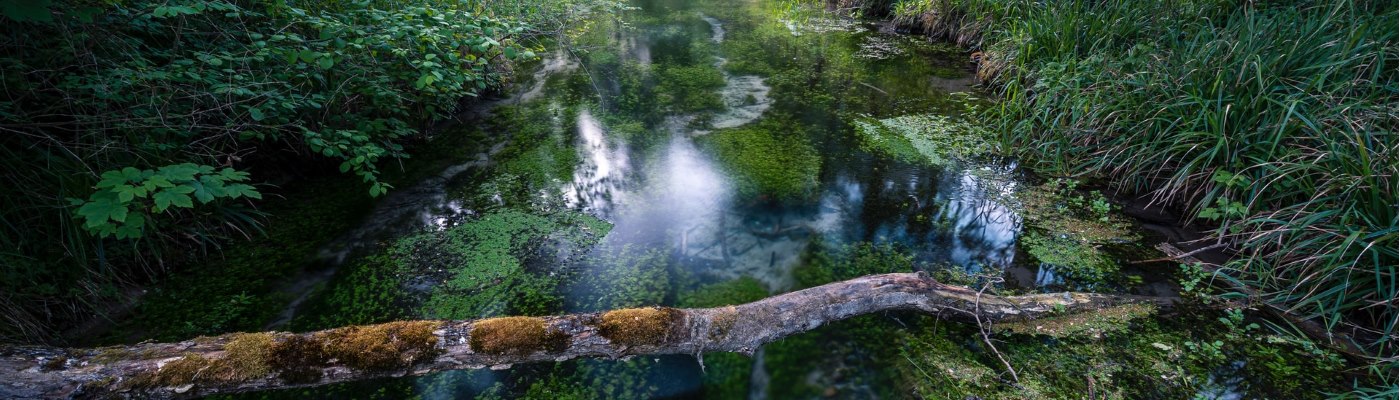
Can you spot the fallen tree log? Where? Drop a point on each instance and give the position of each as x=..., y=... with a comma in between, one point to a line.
x=244, y=362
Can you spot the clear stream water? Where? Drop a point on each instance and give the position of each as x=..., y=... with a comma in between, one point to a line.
x=673, y=195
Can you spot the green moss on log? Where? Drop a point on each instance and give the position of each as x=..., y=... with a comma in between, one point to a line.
x=382, y=347
x=298, y=359
x=641, y=326
x=515, y=335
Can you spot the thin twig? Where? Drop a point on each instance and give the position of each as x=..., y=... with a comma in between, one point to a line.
x=1181, y=256
x=982, y=328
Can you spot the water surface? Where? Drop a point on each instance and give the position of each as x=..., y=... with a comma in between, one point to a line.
x=643, y=106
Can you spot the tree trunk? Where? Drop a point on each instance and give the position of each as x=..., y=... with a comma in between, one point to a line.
x=273, y=360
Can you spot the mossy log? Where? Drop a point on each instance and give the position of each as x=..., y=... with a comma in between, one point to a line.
x=273, y=360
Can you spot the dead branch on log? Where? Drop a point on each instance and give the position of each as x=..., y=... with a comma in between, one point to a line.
x=245, y=362
x=1179, y=256
x=1339, y=341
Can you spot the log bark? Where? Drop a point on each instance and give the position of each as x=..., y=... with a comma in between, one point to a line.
x=275, y=360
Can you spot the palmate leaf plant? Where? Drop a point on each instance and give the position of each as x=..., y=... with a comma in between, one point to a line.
x=127, y=201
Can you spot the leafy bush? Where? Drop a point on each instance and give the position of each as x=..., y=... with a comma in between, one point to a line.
x=150, y=121
x=127, y=200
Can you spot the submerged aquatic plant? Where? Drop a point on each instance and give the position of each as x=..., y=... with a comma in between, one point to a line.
x=924, y=138
x=765, y=162
x=484, y=263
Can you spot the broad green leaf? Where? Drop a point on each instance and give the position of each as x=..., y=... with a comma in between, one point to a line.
x=111, y=179
x=202, y=192
x=179, y=172
x=99, y=211
x=1210, y=213
x=126, y=193
x=132, y=174
x=182, y=189
x=233, y=175
x=131, y=229
x=166, y=198
x=156, y=182
x=239, y=189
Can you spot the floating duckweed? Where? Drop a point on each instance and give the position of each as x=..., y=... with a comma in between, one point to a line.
x=640, y=326
x=1066, y=228
x=382, y=347
x=1084, y=262
x=515, y=335
x=1059, y=206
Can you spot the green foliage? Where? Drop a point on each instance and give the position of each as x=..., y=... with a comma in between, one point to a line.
x=237, y=92
x=27, y=10
x=1079, y=261
x=861, y=349
x=555, y=388
x=368, y=291
x=127, y=200
x=1067, y=228
x=765, y=163
x=738, y=291
x=1126, y=359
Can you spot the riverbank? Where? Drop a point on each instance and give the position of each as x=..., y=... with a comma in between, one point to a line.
x=1273, y=125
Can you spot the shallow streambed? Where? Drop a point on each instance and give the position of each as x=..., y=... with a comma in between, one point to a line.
x=708, y=153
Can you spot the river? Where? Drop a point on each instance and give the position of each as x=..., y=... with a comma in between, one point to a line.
x=720, y=144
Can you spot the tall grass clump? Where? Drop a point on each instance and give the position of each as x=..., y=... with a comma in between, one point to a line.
x=1273, y=122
